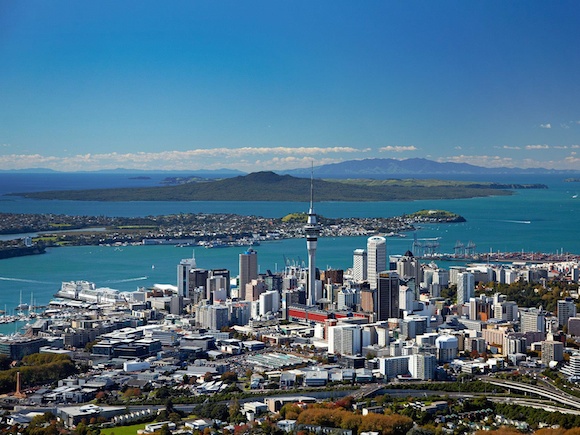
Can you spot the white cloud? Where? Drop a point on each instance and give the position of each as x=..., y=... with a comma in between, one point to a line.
x=548, y=125
x=458, y=148
x=486, y=161
x=508, y=147
x=537, y=147
x=573, y=160
x=398, y=149
x=252, y=158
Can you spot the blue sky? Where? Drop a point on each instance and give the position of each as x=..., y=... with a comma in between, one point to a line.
x=255, y=85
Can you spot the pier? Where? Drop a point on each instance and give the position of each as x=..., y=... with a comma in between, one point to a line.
x=506, y=257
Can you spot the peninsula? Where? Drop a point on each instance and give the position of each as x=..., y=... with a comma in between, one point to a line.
x=202, y=229
x=269, y=186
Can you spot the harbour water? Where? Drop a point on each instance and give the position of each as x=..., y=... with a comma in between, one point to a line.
x=530, y=220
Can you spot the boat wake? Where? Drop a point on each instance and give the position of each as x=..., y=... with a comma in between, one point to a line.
x=139, y=278
x=5, y=278
x=515, y=222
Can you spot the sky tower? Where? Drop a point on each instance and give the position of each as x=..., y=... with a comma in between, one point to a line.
x=311, y=229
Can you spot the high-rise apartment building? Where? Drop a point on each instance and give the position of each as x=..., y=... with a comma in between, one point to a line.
x=566, y=309
x=552, y=351
x=345, y=339
x=465, y=287
x=376, y=258
x=454, y=271
x=532, y=320
x=505, y=310
x=422, y=366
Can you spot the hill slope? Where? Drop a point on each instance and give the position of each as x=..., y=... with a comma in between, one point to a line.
x=268, y=186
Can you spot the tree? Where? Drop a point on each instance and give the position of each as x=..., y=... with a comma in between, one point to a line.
x=234, y=410
x=81, y=429
x=229, y=377
x=169, y=405
x=4, y=362
x=131, y=393
x=164, y=430
x=174, y=417
x=162, y=393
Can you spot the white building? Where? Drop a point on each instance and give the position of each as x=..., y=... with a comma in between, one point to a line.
x=345, y=339
x=212, y=316
x=394, y=366
x=422, y=366
x=447, y=348
x=505, y=310
x=532, y=320
x=269, y=302
x=359, y=265
x=376, y=258
x=183, y=269
x=572, y=369
x=347, y=298
x=465, y=287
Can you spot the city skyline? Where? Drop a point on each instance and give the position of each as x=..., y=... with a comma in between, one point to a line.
x=259, y=86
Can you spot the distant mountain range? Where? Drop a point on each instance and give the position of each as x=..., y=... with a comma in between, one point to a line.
x=392, y=168
x=366, y=168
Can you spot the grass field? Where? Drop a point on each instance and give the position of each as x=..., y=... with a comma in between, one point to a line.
x=123, y=430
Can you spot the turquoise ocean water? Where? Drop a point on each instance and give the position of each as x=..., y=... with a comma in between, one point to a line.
x=530, y=220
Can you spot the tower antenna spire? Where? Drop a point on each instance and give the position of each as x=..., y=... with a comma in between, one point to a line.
x=312, y=186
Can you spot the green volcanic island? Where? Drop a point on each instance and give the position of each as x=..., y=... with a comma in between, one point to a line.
x=268, y=186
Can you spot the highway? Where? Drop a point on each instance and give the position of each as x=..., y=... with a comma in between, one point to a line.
x=553, y=394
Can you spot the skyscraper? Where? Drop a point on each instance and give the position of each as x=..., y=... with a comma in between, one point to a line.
x=409, y=269
x=566, y=309
x=248, y=270
x=532, y=320
x=359, y=265
x=465, y=287
x=376, y=258
x=312, y=230
x=183, y=269
x=387, y=295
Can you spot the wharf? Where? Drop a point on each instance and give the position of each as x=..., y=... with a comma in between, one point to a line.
x=507, y=257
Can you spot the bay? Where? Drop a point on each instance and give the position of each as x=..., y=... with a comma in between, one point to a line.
x=530, y=220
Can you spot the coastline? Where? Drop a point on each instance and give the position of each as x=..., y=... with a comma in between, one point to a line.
x=21, y=251
x=204, y=229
